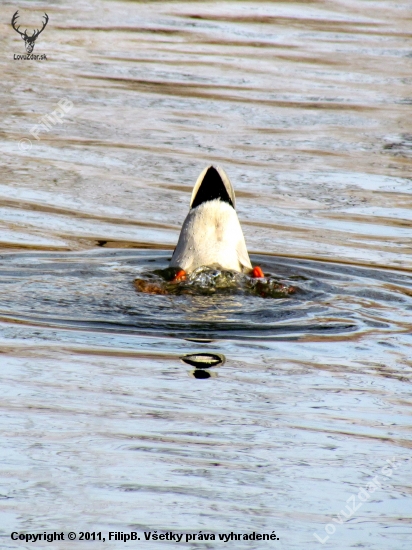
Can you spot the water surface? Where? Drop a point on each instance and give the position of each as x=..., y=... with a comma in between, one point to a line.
x=105, y=428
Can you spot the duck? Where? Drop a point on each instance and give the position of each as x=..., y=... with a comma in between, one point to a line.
x=211, y=235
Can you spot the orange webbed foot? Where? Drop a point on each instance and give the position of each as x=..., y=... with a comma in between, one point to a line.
x=257, y=273
x=180, y=276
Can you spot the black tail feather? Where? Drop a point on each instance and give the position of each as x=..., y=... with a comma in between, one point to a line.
x=211, y=188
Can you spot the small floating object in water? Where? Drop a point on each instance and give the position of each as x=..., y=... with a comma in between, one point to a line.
x=203, y=360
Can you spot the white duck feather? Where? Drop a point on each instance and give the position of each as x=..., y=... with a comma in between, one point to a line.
x=211, y=234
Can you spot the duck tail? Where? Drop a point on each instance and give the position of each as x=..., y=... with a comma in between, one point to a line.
x=213, y=184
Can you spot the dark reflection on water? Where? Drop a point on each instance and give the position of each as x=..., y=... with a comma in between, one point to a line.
x=201, y=374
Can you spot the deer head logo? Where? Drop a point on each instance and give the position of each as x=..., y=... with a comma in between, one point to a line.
x=28, y=40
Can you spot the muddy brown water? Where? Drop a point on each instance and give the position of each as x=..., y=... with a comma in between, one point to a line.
x=307, y=106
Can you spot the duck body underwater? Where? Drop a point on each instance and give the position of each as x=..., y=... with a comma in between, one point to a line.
x=211, y=235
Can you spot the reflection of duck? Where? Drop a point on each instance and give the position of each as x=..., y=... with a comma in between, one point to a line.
x=211, y=234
